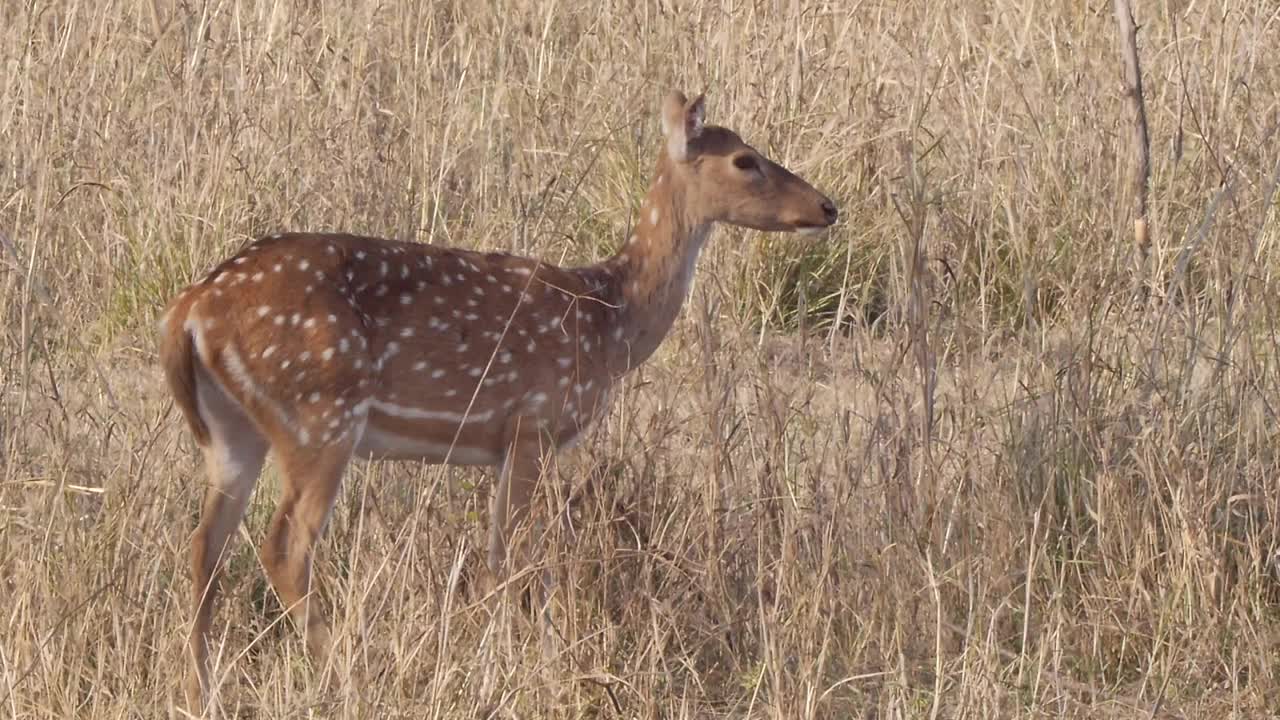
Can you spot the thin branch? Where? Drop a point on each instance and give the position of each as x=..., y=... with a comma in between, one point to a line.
x=1141, y=141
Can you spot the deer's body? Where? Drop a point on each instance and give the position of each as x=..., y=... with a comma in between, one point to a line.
x=324, y=347
x=411, y=351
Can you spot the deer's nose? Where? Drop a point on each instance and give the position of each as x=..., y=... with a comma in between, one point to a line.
x=829, y=209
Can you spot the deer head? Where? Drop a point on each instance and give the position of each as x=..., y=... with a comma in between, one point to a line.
x=726, y=180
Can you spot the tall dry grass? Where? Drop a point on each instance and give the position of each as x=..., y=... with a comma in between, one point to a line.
x=967, y=457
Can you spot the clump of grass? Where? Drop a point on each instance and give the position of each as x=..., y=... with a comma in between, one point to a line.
x=792, y=286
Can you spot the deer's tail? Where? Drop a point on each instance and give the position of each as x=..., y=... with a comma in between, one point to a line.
x=178, y=359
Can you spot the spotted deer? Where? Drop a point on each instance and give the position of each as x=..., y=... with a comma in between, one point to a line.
x=324, y=347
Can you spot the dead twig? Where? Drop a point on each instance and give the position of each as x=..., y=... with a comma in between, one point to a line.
x=1141, y=141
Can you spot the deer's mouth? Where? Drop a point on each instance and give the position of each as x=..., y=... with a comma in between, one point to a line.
x=811, y=230
x=828, y=213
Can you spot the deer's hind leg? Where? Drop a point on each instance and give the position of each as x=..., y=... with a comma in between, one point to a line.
x=233, y=461
x=311, y=477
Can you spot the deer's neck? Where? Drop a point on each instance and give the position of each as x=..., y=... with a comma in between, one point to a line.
x=654, y=269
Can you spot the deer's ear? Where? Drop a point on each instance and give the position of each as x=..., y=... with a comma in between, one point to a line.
x=682, y=123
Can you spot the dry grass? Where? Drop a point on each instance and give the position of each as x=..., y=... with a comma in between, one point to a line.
x=967, y=458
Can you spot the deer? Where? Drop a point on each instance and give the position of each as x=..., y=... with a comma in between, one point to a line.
x=321, y=348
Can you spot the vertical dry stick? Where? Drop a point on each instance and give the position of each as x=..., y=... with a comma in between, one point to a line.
x=1141, y=143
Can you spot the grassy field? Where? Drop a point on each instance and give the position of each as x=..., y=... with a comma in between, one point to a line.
x=969, y=455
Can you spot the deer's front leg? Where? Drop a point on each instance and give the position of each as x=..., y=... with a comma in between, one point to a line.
x=527, y=455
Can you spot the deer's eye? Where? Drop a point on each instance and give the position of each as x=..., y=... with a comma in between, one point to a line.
x=745, y=162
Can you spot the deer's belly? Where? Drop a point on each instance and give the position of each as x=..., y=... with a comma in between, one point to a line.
x=387, y=437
